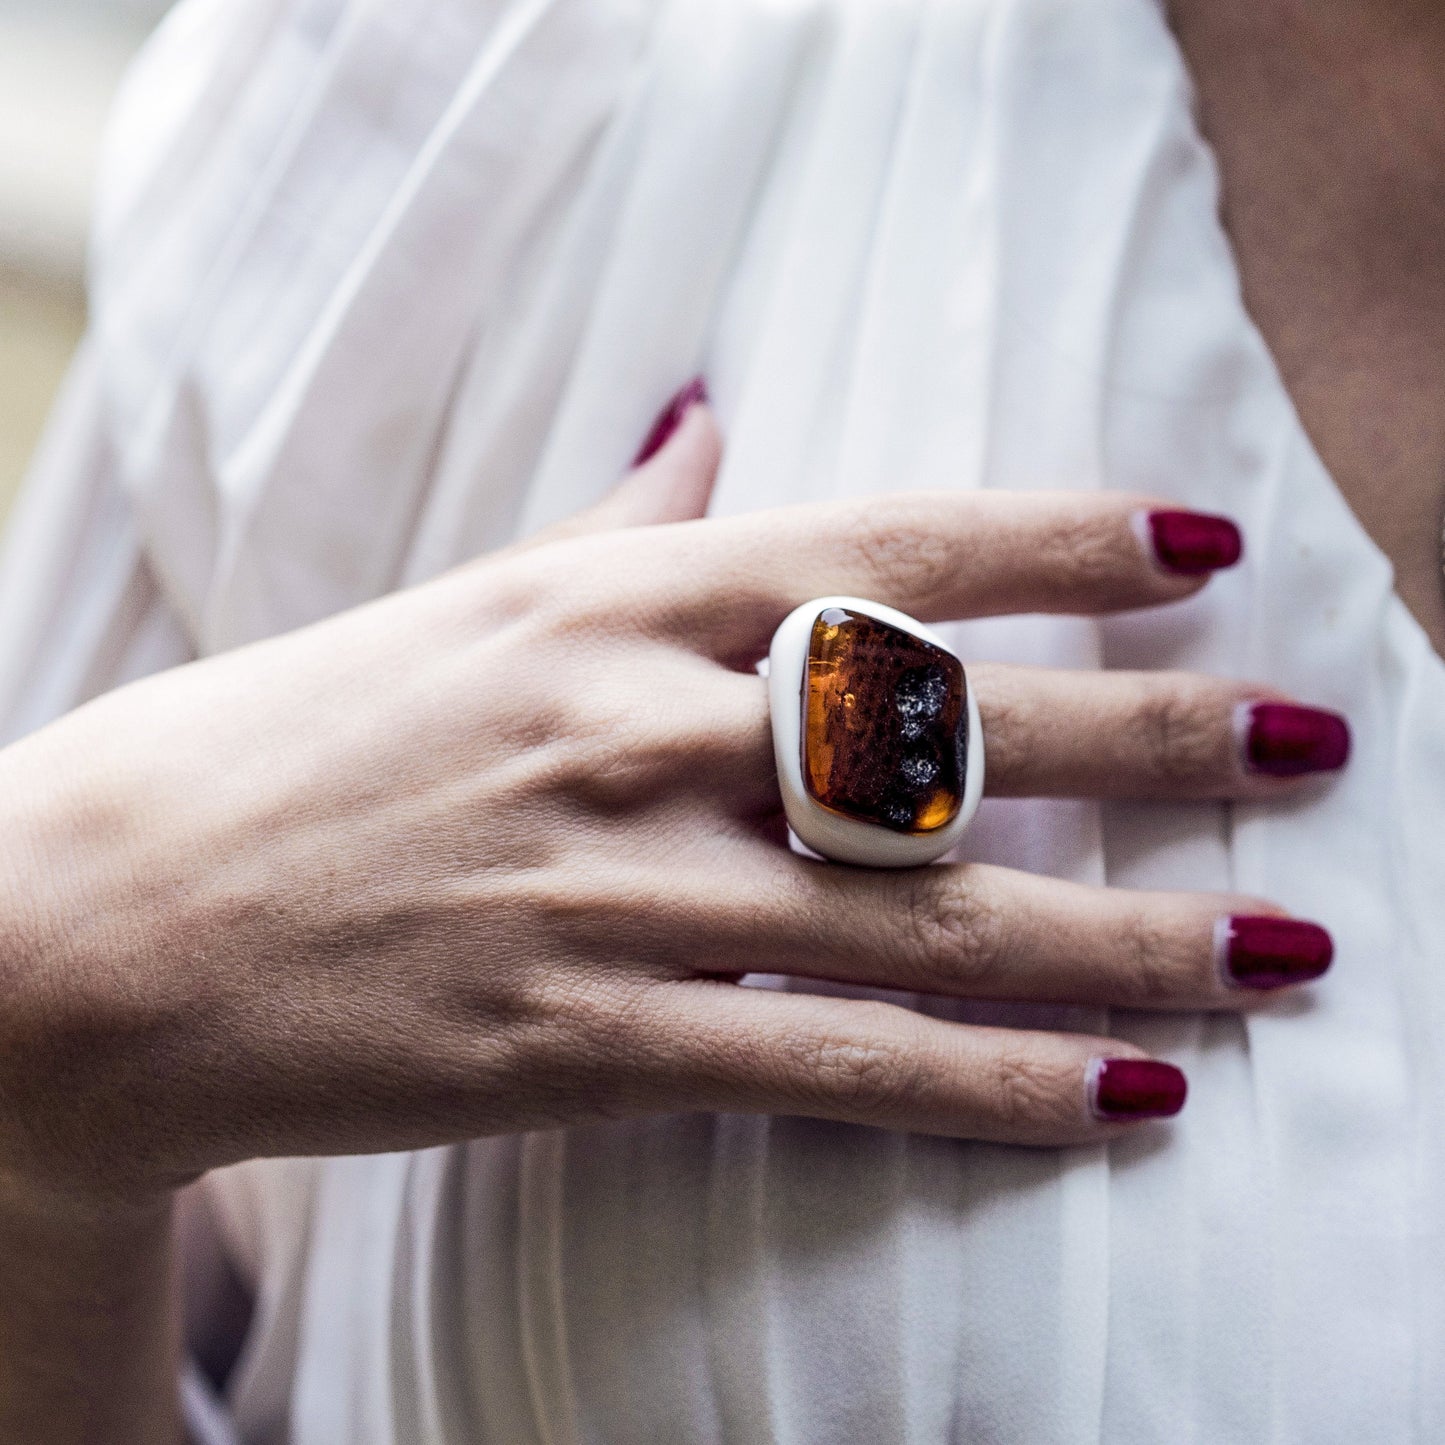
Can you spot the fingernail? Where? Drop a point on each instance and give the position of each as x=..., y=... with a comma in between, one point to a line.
x=1272, y=952
x=670, y=418
x=1284, y=740
x=1193, y=543
x=1122, y=1089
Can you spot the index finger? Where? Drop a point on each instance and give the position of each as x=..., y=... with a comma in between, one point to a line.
x=938, y=556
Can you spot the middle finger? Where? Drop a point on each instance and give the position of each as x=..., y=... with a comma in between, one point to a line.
x=1169, y=736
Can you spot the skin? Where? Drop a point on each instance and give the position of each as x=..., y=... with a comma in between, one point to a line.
x=1330, y=135
x=342, y=892
x=247, y=908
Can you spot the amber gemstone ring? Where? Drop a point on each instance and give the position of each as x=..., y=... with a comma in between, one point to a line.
x=876, y=734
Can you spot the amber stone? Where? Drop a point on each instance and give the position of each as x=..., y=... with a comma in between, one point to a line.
x=885, y=729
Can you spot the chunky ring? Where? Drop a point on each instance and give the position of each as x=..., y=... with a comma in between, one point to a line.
x=876, y=734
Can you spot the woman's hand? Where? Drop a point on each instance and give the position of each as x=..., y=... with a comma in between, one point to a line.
x=489, y=854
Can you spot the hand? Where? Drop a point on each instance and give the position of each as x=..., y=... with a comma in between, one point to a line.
x=489, y=854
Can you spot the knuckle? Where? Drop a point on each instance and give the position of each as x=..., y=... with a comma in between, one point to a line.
x=613, y=771
x=903, y=546
x=562, y=1052
x=957, y=933
x=1027, y=1097
x=1157, y=966
x=650, y=725
x=502, y=586
x=600, y=1014
x=866, y=1074
x=545, y=584
x=591, y=587
x=616, y=923
x=1177, y=735
x=1092, y=554
x=623, y=753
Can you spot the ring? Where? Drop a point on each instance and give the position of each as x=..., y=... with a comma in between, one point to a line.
x=876, y=733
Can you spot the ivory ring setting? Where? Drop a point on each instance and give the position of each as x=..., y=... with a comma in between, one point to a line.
x=876, y=734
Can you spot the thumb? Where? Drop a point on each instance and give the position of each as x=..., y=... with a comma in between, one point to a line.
x=671, y=480
x=675, y=470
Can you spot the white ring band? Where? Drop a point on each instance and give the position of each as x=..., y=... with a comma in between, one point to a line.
x=830, y=831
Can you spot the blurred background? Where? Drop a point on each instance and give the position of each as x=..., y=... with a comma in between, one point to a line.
x=60, y=61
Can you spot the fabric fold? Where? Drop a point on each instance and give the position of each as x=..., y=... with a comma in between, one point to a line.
x=378, y=286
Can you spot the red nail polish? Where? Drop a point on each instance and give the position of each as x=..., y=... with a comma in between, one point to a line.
x=1286, y=741
x=1124, y=1089
x=1193, y=543
x=693, y=394
x=1273, y=952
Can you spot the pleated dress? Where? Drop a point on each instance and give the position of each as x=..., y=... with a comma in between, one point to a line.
x=380, y=284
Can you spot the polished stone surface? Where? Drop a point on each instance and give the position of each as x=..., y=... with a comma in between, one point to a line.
x=885, y=729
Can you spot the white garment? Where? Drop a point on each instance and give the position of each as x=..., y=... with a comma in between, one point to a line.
x=378, y=284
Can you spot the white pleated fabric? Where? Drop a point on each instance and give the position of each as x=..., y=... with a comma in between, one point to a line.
x=382, y=283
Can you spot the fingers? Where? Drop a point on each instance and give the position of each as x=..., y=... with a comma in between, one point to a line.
x=980, y=932
x=753, y=1051
x=691, y=394
x=1170, y=735
x=670, y=481
x=935, y=555
x=676, y=470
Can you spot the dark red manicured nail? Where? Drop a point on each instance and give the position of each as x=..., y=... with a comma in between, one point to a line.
x=1122, y=1089
x=693, y=394
x=1286, y=741
x=1273, y=952
x=1194, y=542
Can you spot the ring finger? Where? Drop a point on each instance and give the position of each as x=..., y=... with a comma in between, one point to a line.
x=976, y=931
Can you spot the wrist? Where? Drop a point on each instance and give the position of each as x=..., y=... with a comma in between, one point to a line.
x=33, y=1205
x=89, y=1323
x=65, y=1158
